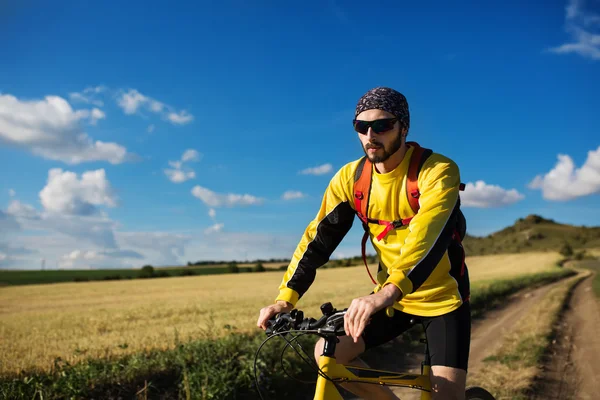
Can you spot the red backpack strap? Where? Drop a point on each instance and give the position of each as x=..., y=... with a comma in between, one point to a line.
x=362, y=188
x=419, y=155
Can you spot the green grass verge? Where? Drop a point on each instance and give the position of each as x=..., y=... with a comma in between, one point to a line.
x=208, y=368
x=488, y=295
x=594, y=266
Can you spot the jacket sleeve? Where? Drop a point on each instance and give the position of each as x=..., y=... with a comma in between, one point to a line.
x=431, y=229
x=321, y=237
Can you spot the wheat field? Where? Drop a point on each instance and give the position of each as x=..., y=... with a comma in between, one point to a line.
x=39, y=323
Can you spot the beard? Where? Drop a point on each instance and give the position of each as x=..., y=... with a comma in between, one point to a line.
x=384, y=152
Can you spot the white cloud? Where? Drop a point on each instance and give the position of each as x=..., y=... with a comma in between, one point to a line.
x=54, y=235
x=88, y=259
x=52, y=129
x=483, y=195
x=8, y=224
x=12, y=193
x=161, y=248
x=76, y=257
x=88, y=96
x=291, y=194
x=565, y=182
x=580, y=24
x=181, y=118
x=151, y=128
x=190, y=155
x=96, y=115
x=65, y=193
x=177, y=174
x=214, y=229
x=213, y=199
x=97, y=230
x=132, y=101
x=241, y=246
x=320, y=170
x=212, y=213
x=176, y=164
x=18, y=209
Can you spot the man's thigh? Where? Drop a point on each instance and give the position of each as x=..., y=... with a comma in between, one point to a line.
x=449, y=338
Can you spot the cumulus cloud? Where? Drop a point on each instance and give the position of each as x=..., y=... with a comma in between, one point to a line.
x=213, y=199
x=12, y=193
x=66, y=193
x=566, y=182
x=291, y=195
x=132, y=101
x=177, y=174
x=320, y=170
x=97, y=230
x=52, y=129
x=583, y=26
x=482, y=195
x=212, y=213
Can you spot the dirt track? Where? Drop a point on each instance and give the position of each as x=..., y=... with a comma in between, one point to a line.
x=572, y=370
x=486, y=336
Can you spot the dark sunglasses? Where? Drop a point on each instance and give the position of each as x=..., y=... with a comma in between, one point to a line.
x=378, y=126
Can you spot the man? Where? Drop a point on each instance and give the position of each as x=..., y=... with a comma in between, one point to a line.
x=419, y=274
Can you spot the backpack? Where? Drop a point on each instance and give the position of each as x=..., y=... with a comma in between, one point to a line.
x=362, y=188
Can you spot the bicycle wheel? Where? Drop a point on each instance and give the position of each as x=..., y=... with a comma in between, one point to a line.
x=478, y=393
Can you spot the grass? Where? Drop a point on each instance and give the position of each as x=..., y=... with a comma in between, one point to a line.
x=202, y=369
x=73, y=321
x=510, y=372
x=210, y=366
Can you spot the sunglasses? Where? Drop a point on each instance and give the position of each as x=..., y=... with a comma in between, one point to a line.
x=378, y=126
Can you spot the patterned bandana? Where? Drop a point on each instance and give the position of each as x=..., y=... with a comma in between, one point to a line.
x=385, y=99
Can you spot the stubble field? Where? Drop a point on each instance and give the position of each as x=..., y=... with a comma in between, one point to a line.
x=39, y=323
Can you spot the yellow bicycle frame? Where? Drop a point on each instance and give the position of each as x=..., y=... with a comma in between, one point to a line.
x=339, y=373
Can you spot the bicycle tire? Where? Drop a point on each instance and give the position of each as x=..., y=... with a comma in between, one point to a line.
x=478, y=393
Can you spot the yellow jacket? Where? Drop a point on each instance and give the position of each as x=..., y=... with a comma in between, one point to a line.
x=416, y=257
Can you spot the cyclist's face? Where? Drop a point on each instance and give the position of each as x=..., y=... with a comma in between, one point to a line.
x=380, y=146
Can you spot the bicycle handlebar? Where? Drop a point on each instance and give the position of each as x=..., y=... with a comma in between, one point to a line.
x=331, y=322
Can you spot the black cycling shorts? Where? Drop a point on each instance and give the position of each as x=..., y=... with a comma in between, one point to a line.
x=448, y=335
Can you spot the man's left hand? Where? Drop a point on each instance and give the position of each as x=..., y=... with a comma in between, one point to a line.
x=361, y=309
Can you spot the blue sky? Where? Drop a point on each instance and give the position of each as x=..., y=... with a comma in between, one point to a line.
x=162, y=133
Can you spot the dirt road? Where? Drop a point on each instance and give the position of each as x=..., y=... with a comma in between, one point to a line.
x=572, y=370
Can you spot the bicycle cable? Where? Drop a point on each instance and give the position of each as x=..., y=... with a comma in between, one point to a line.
x=310, y=361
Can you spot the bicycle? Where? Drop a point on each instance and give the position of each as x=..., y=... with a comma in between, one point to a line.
x=330, y=373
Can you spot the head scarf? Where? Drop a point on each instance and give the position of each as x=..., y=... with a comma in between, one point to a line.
x=386, y=99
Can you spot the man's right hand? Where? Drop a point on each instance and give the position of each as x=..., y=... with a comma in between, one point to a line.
x=267, y=312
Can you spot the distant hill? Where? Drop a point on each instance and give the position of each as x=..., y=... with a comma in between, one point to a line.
x=533, y=233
